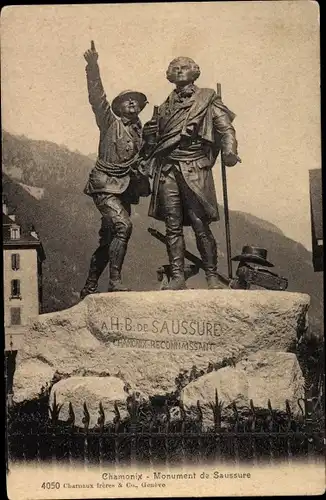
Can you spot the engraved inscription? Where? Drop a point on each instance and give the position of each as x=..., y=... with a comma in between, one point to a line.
x=187, y=345
x=173, y=327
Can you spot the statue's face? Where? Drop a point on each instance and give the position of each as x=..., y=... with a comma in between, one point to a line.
x=129, y=108
x=182, y=71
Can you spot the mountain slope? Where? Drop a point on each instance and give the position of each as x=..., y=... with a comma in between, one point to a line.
x=68, y=224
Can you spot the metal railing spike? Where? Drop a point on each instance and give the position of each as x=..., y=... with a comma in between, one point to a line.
x=117, y=417
x=71, y=413
x=86, y=417
x=101, y=418
x=55, y=410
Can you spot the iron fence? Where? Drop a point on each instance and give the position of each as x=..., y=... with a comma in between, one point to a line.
x=150, y=435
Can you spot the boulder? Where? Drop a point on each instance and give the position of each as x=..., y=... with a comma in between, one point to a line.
x=147, y=338
x=273, y=375
x=31, y=377
x=92, y=391
x=262, y=376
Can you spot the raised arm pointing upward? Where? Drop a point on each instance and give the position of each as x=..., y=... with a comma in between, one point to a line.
x=112, y=183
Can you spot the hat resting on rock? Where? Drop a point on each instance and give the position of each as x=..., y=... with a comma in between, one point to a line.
x=255, y=255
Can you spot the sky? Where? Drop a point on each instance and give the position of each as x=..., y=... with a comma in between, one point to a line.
x=265, y=55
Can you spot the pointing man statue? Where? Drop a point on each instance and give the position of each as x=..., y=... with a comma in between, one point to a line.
x=193, y=126
x=115, y=182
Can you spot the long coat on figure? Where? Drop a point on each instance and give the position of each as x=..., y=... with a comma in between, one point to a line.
x=192, y=132
x=193, y=126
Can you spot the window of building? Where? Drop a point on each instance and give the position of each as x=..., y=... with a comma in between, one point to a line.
x=15, y=288
x=15, y=233
x=15, y=261
x=15, y=316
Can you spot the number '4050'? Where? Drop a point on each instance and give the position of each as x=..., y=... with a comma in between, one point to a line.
x=53, y=485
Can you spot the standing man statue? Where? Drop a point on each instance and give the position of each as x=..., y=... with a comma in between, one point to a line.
x=116, y=181
x=193, y=126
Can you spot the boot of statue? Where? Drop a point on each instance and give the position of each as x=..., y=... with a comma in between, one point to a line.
x=207, y=248
x=118, y=250
x=98, y=263
x=176, y=250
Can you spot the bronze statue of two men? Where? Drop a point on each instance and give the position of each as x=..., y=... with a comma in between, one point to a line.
x=177, y=150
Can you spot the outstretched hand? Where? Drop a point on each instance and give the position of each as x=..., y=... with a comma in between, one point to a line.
x=91, y=55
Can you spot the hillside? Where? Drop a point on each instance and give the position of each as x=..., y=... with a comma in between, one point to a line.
x=68, y=224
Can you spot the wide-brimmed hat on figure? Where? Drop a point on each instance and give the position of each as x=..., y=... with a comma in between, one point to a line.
x=125, y=95
x=255, y=255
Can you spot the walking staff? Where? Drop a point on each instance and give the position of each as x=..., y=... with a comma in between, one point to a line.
x=225, y=200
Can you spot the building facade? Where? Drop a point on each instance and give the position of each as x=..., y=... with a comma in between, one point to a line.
x=23, y=255
x=316, y=212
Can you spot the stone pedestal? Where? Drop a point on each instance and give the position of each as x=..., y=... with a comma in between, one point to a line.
x=147, y=338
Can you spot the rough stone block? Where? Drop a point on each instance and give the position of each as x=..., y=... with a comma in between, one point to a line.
x=92, y=391
x=264, y=375
x=147, y=338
